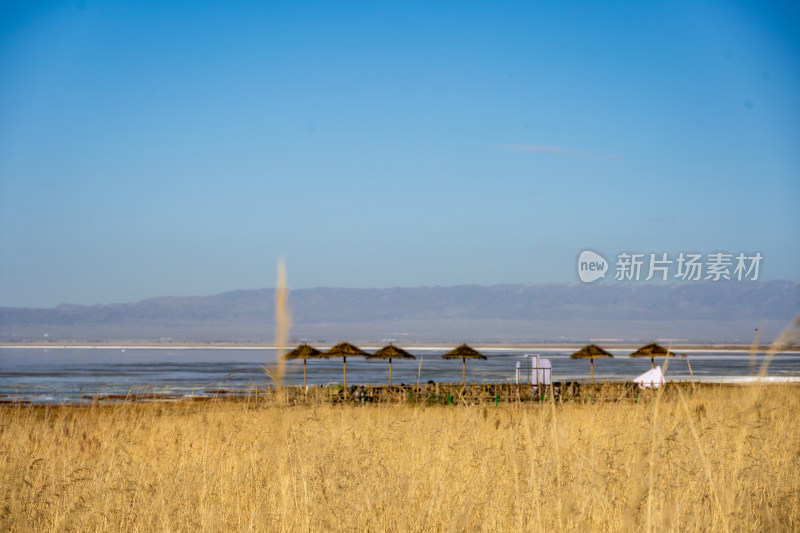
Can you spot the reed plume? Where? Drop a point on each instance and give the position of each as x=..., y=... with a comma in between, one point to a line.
x=283, y=321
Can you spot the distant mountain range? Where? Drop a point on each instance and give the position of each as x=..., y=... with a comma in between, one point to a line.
x=626, y=312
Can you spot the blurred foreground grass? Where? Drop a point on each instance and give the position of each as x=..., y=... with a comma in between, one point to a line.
x=717, y=459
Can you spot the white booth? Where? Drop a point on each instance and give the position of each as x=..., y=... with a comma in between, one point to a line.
x=534, y=370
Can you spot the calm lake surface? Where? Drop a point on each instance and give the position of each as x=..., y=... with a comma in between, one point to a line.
x=76, y=375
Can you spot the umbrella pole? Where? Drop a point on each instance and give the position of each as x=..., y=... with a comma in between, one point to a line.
x=591, y=366
x=652, y=364
x=463, y=372
x=344, y=363
x=304, y=372
x=390, y=371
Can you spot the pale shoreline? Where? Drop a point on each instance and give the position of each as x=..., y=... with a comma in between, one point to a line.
x=697, y=348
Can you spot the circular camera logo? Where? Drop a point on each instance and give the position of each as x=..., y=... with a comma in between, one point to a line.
x=591, y=266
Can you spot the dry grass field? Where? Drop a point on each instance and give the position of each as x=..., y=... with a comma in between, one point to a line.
x=714, y=459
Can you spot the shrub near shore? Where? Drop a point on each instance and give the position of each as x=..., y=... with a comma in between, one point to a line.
x=723, y=458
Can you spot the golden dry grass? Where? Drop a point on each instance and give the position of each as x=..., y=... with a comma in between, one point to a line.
x=723, y=458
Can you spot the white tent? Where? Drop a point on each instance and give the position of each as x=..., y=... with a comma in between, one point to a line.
x=652, y=378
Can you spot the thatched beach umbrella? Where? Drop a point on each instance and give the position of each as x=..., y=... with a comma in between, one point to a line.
x=390, y=351
x=344, y=350
x=463, y=352
x=652, y=351
x=304, y=352
x=590, y=352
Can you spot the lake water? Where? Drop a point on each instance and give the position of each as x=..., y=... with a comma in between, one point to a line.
x=74, y=376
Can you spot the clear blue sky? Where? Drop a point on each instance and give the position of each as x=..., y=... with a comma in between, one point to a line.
x=178, y=148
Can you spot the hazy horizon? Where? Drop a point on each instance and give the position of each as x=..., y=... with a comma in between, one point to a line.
x=672, y=283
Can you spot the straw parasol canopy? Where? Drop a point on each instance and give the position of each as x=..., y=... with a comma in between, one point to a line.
x=590, y=352
x=463, y=352
x=390, y=351
x=304, y=352
x=652, y=351
x=344, y=350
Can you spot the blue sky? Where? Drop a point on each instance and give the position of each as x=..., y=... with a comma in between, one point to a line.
x=155, y=148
